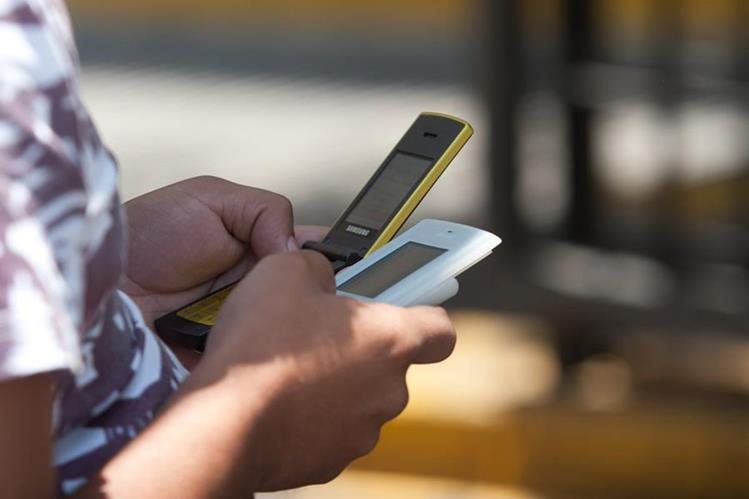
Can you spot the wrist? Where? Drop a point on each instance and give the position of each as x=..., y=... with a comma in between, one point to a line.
x=202, y=444
x=240, y=399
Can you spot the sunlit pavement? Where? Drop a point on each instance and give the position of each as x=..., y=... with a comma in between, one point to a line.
x=372, y=485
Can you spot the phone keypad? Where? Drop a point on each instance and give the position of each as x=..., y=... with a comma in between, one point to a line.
x=206, y=310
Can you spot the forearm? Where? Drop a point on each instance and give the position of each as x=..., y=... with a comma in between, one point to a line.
x=196, y=448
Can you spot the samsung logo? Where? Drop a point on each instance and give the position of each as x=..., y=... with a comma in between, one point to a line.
x=359, y=231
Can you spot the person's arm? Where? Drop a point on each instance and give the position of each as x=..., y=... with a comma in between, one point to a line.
x=191, y=450
x=25, y=443
x=295, y=384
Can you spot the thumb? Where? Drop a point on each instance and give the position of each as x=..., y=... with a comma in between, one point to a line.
x=432, y=334
x=264, y=219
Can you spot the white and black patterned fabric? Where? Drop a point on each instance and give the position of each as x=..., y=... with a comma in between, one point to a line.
x=61, y=253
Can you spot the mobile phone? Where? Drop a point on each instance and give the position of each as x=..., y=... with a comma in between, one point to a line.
x=396, y=188
x=371, y=220
x=418, y=267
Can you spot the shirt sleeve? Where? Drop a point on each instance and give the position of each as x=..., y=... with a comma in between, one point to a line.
x=36, y=331
x=39, y=312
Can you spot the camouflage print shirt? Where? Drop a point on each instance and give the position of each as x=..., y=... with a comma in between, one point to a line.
x=61, y=253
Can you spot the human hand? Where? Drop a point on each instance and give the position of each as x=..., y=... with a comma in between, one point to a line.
x=326, y=372
x=188, y=239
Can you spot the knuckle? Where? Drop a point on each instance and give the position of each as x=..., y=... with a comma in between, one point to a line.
x=284, y=263
x=392, y=316
x=398, y=335
x=400, y=351
x=305, y=267
x=442, y=326
x=278, y=202
x=449, y=335
x=349, y=306
x=442, y=316
x=380, y=327
x=204, y=180
x=399, y=400
x=327, y=474
x=318, y=265
x=314, y=259
x=298, y=264
x=452, y=340
x=367, y=442
x=443, y=313
x=404, y=397
x=274, y=260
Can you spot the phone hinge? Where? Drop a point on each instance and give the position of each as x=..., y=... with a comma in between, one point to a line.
x=338, y=257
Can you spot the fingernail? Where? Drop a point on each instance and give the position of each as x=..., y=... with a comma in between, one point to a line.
x=291, y=244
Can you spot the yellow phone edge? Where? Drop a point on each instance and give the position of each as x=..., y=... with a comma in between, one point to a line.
x=426, y=185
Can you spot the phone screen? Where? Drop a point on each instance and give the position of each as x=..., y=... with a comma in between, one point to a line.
x=392, y=268
x=388, y=191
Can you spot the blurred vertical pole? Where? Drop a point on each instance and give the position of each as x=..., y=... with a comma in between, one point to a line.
x=668, y=92
x=740, y=38
x=502, y=91
x=577, y=39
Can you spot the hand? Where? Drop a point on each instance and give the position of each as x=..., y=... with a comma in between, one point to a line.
x=329, y=371
x=193, y=237
x=295, y=383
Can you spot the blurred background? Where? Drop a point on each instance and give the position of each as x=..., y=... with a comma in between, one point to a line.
x=604, y=347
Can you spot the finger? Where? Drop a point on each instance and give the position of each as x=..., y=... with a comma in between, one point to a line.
x=271, y=220
x=306, y=233
x=321, y=269
x=394, y=400
x=261, y=218
x=431, y=333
